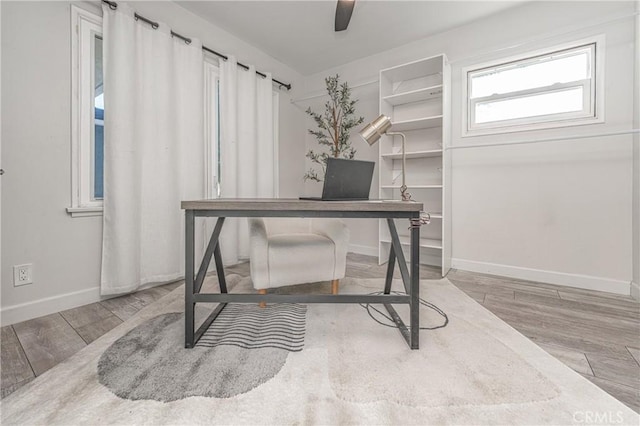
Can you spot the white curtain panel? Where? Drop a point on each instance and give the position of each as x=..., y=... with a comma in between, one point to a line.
x=247, y=147
x=153, y=151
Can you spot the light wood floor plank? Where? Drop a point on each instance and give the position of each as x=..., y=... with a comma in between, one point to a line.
x=623, y=370
x=635, y=353
x=574, y=359
x=498, y=287
x=84, y=315
x=150, y=295
x=172, y=286
x=241, y=269
x=555, y=336
x=579, y=323
x=11, y=389
x=124, y=307
x=632, y=319
x=47, y=341
x=91, y=332
x=488, y=289
x=612, y=301
x=14, y=366
x=495, y=280
x=499, y=298
x=602, y=295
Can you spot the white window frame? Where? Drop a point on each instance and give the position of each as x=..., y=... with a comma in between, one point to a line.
x=276, y=143
x=593, y=88
x=84, y=27
x=211, y=125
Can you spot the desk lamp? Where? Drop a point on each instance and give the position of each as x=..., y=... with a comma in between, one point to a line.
x=372, y=132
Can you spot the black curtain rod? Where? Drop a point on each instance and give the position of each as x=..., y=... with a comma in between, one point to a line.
x=113, y=6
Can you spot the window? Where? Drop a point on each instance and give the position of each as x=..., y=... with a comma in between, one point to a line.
x=97, y=156
x=87, y=127
x=551, y=89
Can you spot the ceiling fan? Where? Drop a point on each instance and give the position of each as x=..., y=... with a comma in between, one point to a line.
x=344, y=9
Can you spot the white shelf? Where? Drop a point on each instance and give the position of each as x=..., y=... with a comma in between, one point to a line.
x=414, y=95
x=418, y=123
x=415, y=154
x=412, y=186
x=424, y=242
x=435, y=215
x=414, y=69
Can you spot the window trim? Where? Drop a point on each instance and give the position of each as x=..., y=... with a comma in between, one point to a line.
x=83, y=22
x=595, y=114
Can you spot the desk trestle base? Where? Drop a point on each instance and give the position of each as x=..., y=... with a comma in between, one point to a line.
x=278, y=208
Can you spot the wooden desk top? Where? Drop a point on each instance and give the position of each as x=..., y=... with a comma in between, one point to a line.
x=275, y=204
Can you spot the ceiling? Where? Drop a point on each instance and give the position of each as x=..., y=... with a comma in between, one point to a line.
x=300, y=33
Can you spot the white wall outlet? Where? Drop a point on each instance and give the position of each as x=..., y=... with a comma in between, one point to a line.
x=22, y=274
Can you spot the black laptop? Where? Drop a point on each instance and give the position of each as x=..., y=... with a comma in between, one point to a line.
x=346, y=180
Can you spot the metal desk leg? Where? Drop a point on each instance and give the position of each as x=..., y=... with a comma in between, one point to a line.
x=206, y=259
x=189, y=304
x=415, y=287
x=222, y=281
x=390, y=267
x=397, y=253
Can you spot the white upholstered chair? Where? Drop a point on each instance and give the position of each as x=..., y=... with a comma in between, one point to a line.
x=287, y=251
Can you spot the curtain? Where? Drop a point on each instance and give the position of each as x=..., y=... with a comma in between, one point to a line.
x=153, y=151
x=247, y=148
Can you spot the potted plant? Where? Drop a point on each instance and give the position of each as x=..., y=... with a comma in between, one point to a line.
x=334, y=125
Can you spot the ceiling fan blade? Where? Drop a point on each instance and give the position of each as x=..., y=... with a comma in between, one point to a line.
x=344, y=9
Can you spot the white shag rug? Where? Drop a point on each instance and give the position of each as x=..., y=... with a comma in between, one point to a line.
x=351, y=370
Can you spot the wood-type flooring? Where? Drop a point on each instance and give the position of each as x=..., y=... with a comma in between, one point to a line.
x=595, y=333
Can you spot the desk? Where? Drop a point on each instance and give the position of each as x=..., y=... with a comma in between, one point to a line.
x=223, y=208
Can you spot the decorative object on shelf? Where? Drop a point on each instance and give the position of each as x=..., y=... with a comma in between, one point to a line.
x=333, y=126
x=373, y=131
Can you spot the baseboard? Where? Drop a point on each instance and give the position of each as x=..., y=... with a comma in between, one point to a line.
x=425, y=258
x=550, y=277
x=49, y=305
x=635, y=291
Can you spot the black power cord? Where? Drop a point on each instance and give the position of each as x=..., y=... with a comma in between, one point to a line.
x=368, y=307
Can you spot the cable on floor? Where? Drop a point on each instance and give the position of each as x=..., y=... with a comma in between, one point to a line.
x=369, y=308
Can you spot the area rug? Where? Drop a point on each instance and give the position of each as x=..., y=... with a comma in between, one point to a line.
x=314, y=364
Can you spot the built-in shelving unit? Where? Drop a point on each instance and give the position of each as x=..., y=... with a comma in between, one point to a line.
x=416, y=98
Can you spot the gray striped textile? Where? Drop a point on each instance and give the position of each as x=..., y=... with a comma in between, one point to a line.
x=278, y=325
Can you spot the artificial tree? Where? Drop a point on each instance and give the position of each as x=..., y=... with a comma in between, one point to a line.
x=334, y=125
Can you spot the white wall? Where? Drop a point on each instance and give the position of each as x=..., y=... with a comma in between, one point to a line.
x=36, y=146
x=556, y=212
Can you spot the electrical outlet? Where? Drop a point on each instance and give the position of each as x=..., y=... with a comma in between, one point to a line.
x=22, y=274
